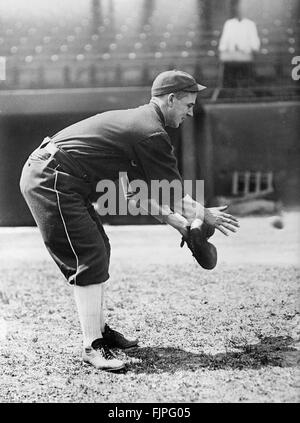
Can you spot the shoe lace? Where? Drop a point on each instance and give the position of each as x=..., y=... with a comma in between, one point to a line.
x=106, y=352
x=103, y=348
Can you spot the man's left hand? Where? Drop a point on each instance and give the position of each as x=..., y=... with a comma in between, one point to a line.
x=216, y=217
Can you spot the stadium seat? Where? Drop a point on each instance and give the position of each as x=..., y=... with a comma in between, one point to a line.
x=130, y=51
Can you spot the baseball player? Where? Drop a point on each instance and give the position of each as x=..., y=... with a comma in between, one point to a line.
x=59, y=181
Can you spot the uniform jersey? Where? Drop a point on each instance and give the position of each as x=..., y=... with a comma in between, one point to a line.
x=133, y=141
x=59, y=195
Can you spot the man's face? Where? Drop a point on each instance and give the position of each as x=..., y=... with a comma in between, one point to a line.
x=241, y=10
x=179, y=109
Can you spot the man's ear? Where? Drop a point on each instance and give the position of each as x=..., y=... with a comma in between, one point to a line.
x=171, y=98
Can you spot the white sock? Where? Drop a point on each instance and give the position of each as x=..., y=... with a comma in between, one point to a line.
x=102, y=317
x=88, y=300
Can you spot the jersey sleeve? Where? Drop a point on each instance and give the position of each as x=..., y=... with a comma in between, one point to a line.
x=157, y=164
x=156, y=158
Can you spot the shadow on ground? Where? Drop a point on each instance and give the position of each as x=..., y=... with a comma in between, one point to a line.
x=270, y=351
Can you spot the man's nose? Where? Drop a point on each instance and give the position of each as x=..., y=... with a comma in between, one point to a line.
x=190, y=113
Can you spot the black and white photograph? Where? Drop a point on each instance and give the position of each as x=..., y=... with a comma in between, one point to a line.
x=149, y=204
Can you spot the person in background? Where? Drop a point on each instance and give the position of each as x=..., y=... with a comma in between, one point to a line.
x=238, y=44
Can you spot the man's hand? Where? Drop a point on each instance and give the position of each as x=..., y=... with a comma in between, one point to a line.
x=216, y=217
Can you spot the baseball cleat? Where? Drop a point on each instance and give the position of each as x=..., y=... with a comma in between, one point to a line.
x=115, y=339
x=100, y=356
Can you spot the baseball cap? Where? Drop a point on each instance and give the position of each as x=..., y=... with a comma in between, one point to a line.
x=173, y=81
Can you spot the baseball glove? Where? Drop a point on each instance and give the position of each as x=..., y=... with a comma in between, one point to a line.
x=204, y=252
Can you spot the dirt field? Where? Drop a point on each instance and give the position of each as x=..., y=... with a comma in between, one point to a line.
x=227, y=335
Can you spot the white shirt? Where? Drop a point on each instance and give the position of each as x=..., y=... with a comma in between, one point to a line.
x=239, y=35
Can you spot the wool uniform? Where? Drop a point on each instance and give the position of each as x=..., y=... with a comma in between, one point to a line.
x=59, y=182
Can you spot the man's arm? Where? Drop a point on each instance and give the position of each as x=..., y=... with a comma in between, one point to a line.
x=163, y=214
x=214, y=216
x=224, y=43
x=157, y=159
x=255, y=40
x=189, y=211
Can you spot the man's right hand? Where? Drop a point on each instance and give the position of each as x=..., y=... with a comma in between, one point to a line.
x=178, y=222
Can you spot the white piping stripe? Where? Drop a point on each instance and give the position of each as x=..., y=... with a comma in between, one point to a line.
x=64, y=223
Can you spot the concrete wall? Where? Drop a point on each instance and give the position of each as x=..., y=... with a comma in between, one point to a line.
x=251, y=137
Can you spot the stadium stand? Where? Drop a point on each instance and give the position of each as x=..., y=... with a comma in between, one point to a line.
x=124, y=48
